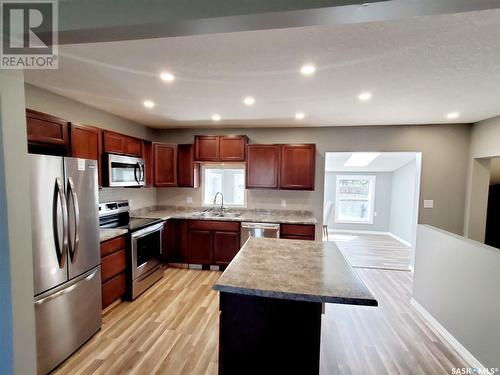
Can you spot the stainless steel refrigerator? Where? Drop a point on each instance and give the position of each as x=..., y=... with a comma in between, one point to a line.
x=66, y=255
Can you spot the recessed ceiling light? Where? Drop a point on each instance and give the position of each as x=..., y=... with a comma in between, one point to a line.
x=308, y=69
x=149, y=104
x=299, y=116
x=364, y=96
x=215, y=117
x=249, y=100
x=167, y=76
x=361, y=159
x=452, y=115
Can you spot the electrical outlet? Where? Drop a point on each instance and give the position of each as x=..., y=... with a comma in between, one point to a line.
x=428, y=203
x=375, y=213
x=283, y=203
x=189, y=200
x=130, y=204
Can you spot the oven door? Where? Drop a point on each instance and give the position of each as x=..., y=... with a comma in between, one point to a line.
x=125, y=171
x=146, y=249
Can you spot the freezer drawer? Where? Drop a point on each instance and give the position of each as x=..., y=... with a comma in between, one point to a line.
x=67, y=317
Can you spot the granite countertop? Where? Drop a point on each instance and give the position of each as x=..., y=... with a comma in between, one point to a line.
x=296, y=270
x=247, y=215
x=106, y=234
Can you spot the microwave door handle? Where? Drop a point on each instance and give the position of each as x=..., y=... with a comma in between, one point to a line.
x=137, y=166
x=143, y=173
x=73, y=248
x=59, y=196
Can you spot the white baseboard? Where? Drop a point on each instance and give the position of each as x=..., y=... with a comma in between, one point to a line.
x=400, y=239
x=455, y=344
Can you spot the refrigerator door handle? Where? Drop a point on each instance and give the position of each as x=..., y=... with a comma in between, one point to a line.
x=73, y=248
x=67, y=288
x=59, y=196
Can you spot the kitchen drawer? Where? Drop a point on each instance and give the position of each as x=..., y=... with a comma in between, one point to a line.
x=113, y=245
x=113, y=289
x=224, y=226
x=112, y=265
x=297, y=229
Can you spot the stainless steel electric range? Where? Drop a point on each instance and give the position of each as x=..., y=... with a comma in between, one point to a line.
x=145, y=253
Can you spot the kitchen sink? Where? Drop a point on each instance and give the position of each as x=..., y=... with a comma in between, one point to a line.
x=217, y=214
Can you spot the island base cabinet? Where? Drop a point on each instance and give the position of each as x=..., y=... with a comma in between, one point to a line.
x=261, y=335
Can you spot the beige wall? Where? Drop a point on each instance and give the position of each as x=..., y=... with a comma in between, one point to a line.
x=17, y=320
x=71, y=110
x=484, y=145
x=445, y=150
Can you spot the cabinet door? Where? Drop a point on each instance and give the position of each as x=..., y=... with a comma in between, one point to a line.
x=86, y=143
x=200, y=247
x=206, y=148
x=298, y=166
x=232, y=147
x=133, y=146
x=262, y=166
x=113, y=289
x=147, y=155
x=114, y=142
x=226, y=246
x=46, y=129
x=165, y=165
x=188, y=172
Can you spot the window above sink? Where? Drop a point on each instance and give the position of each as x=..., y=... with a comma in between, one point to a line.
x=227, y=178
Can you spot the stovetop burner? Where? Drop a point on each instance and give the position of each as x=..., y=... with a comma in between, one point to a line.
x=116, y=215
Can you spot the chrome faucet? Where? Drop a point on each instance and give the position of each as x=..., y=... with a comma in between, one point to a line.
x=222, y=200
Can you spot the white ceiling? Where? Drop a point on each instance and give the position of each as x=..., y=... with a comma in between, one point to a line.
x=385, y=162
x=418, y=70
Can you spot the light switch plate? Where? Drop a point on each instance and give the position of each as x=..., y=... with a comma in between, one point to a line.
x=428, y=203
x=189, y=200
x=283, y=203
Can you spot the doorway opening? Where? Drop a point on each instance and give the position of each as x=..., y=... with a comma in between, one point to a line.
x=371, y=207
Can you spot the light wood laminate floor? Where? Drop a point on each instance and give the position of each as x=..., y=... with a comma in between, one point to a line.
x=173, y=329
x=372, y=250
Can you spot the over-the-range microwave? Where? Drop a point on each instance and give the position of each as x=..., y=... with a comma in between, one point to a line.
x=124, y=171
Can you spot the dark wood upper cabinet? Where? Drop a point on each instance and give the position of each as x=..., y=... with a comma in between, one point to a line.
x=188, y=172
x=147, y=155
x=117, y=143
x=226, y=246
x=220, y=148
x=46, y=130
x=114, y=142
x=232, y=147
x=133, y=146
x=165, y=165
x=262, y=166
x=86, y=143
x=206, y=147
x=297, y=170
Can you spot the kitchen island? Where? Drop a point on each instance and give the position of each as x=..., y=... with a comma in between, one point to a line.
x=271, y=302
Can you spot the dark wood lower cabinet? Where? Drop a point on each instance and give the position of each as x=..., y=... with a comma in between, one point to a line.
x=200, y=246
x=226, y=246
x=113, y=269
x=113, y=289
x=298, y=232
x=260, y=335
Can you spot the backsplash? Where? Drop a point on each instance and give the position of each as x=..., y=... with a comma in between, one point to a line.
x=138, y=197
x=256, y=199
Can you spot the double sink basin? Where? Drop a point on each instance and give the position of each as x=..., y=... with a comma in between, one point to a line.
x=216, y=214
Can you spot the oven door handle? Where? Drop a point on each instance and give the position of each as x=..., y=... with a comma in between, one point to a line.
x=147, y=230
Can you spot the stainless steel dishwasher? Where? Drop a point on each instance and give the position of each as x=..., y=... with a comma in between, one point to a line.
x=266, y=230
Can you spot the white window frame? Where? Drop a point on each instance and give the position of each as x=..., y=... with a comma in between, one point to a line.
x=222, y=166
x=371, y=201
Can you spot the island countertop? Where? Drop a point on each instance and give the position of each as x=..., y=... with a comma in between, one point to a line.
x=310, y=271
